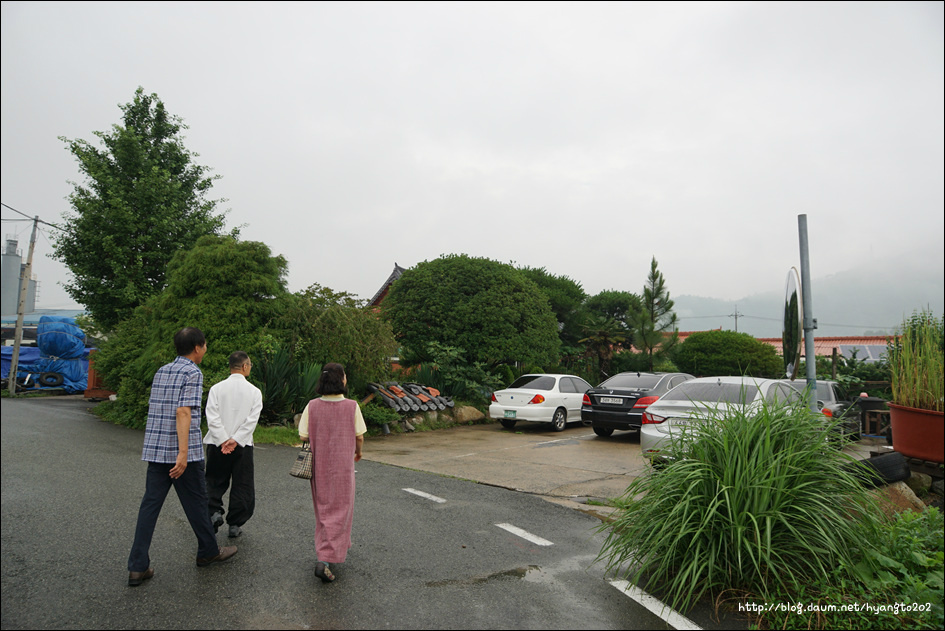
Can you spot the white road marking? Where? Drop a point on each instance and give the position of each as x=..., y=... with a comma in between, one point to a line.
x=525, y=535
x=432, y=498
x=670, y=616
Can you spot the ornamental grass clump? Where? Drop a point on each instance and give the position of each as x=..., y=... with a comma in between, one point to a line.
x=917, y=363
x=758, y=502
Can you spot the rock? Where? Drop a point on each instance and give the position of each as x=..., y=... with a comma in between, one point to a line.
x=919, y=481
x=467, y=414
x=938, y=487
x=898, y=497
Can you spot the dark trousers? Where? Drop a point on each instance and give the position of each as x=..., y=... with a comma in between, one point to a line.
x=233, y=471
x=192, y=492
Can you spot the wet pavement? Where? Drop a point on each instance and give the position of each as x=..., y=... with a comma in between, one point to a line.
x=569, y=468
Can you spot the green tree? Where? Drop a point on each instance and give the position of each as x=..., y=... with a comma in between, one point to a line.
x=725, y=353
x=326, y=326
x=566, y=298
x=622, y=306
x=143, y=201
x=654, y=326
x=489, y=309
x=231, y=290
x=605, y=336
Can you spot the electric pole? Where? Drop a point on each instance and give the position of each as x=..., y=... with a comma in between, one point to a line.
x=25, y=276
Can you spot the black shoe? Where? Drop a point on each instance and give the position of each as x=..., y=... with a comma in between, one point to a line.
x=235, y=531
x=322, y=572
x=136, y=578
x=217, y=520
x=225, y=553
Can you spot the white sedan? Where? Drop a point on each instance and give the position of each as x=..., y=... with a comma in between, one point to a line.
x=689, y=402
x=542, y=398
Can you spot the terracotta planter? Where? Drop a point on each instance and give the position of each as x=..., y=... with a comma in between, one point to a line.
x=918, y=433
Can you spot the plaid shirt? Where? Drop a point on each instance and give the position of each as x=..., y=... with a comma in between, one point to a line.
x=176, y=385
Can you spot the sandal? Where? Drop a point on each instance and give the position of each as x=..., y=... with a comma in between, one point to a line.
x=322, y=572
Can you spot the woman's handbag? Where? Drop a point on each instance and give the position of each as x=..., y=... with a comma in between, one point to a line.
x=302, y=467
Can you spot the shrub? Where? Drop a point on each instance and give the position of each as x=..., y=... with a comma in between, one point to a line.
x=718, y=353
x=759, y=502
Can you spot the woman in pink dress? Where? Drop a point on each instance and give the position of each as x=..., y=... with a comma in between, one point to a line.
x=336, y=429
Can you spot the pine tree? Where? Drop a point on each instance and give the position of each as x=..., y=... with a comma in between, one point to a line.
x=654, y=326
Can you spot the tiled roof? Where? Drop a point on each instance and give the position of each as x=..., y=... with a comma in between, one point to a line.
x=382, y=292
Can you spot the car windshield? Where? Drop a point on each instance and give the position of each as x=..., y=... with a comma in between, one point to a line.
x=534, y=382
x=713, y=392
x=632, y=381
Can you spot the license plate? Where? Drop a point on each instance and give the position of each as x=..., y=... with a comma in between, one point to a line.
x=611, y=400
x=510, y=414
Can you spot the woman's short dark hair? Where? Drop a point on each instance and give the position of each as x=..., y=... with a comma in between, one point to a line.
x=187, y=339
x=332, y=380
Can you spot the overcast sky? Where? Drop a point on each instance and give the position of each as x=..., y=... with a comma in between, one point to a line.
x=584, y=138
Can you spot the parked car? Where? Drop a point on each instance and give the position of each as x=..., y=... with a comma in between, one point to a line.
x=618, y=403
x=834, y=402
x=685, y=404
x=542, y=398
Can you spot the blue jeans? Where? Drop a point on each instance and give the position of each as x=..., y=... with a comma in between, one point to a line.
x=191, y=490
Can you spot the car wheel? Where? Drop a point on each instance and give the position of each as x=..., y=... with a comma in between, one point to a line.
x=507, y=423
x=559, y=420
x=603, y=432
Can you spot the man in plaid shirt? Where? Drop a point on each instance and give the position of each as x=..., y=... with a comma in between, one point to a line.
x=174, y=453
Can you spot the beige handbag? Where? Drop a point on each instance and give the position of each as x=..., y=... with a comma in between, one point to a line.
x=302, y=467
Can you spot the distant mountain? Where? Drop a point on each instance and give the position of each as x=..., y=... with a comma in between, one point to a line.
x=857, y=302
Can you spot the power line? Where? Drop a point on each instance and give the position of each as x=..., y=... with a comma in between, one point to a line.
x=28, y=217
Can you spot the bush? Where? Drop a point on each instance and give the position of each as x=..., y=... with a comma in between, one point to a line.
x=721, y=353
x=899, y=577
x=760, y=502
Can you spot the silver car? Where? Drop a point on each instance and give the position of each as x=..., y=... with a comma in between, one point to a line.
x=694, y=399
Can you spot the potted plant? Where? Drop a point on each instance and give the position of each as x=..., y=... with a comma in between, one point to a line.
x=916, y=376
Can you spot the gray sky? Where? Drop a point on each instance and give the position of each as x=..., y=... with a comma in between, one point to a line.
x=584, y=138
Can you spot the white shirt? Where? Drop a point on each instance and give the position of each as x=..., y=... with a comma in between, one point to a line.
x=233, y=408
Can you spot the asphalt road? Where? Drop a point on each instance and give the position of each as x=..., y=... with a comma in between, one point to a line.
x=71, y=486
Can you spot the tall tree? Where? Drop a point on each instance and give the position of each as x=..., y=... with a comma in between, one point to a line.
x=144, y=199
x=654, y=326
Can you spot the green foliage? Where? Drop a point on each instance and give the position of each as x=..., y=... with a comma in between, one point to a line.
x=566, y=298
x=377, y=414
x=143, y=201
x=489, y=309
x=286, y=386
x=621, y=306
x=446, y=369
x=917, y=363
x=229, y=289
x=326, y=326
x=654, y=326
x=759, y=502
x=899, y=577
x=722, y=353
x=604, y=336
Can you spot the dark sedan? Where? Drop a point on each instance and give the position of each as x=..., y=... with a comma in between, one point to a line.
x=619, y=402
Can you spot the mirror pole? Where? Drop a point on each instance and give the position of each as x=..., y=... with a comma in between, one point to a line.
x=810, y=358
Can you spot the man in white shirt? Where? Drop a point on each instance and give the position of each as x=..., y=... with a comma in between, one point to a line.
x=233, y=408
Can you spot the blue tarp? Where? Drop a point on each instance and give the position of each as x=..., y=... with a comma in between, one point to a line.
x=61, y=349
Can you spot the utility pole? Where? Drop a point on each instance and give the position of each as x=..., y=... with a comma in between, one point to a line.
x=735, y=315
x=25, y=276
